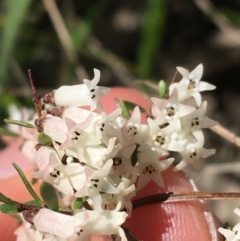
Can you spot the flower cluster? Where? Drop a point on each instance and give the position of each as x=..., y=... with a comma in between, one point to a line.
x=102, y=160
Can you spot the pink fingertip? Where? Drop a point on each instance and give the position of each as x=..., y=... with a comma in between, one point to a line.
x=12, y=154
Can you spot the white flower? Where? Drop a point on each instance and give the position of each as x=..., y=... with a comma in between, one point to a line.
x=190, y=84
x=61, y=225
x=170, y=109
x=194, y=151
x=122, y=164
x=65, y=178
x=104, y=222
x=97, y=181
x=196, y=119
x=150, y=168
x=27, y=233
x=76, y=114
x=80, y=226
x=133, y=130
x=96, y=156
x=78, y=139
x=122, y=200
x=86, y=94
x=56, y=128
x=162, y=139
x=234, y=234
x=104, y=126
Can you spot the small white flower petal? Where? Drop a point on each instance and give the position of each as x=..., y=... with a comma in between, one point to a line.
x=61, y=225
x=228, y=234
x=56, y=128
x=197, y=72
x=203, y=86
x=183, y=71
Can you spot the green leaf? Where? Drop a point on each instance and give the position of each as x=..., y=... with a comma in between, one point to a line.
x=44, y=139
x=151, y=38
x=162, y=89
x=134, y=158
x=79, y=202
x=9, y=208
x=19, y=123
x=125, y=111
x=7, y=132
x=26, y=182
x=49, y=195
x=130, y=106
x=6, y=200
x=14, y=13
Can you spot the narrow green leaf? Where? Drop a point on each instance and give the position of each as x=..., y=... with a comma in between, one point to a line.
x=134, y=158
x=79, y=202
x=49, y=195
x=19, y=123
x=44, y=139
x=7, y=132
x=125, y=111
x=26, y=182
x=162, y=89
x=14, y=14
x=151, y=38
x=9, y=208
x=5, y=199
x=130, y=106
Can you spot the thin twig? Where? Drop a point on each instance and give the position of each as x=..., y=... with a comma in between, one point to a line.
x=231, y=33
x=36, y=101
x=185, y=196
x=24, y=91
x=225, y=133
x=64, y=37
x=117, y=66
x=17, y=71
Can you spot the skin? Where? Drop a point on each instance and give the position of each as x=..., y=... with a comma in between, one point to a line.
x=180, y=221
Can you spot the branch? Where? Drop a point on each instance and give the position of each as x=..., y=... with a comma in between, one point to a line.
x=185, y=196
x=64, y=37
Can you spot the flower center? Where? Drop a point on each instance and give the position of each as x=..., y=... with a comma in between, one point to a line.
x=160, y=139
x=79, y=232
x=117, y=161
x=170, y=111
x=94, y=183
x=191, y=85
x=93, y=95
x=102, y=127
x=75, y=136
x=56, y=174
x=195, y=122
x=149, y=170
x=132, y=130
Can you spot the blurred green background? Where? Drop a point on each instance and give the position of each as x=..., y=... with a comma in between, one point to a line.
x=133, y=43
